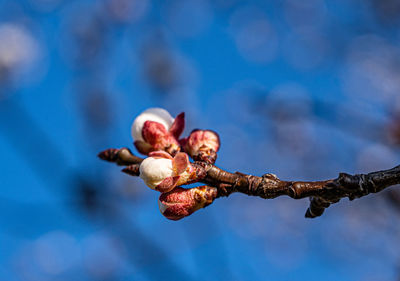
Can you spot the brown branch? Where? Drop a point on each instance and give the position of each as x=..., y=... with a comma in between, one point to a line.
x=122, y=156
x=321, y=193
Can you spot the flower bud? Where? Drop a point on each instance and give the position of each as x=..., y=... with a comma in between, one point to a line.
x=155, y=129
x=163, y=172
x=202, y=145
x=181, y=202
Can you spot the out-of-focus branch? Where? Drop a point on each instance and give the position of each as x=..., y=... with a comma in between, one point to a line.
x=321, y=193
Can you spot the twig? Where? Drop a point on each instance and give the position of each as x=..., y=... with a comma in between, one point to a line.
x=321, y=193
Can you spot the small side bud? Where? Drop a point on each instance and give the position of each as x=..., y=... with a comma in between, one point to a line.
x=132, y=170
x=202, y=145
x=181, y=202
x=110, y=155
x=122, y=156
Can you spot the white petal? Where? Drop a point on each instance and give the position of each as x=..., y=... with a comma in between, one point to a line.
x=159, y=115
x=154, y=170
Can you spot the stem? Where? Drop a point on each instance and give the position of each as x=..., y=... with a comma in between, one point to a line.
x=321, y=193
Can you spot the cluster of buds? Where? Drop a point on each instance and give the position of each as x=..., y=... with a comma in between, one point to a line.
x=156, y=134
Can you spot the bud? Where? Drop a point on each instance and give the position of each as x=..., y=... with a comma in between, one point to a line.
x=202, y=145
x=163, y=172
x=181, y=202
x=155, y=129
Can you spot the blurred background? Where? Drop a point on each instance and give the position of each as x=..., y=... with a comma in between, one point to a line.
x=301, y=89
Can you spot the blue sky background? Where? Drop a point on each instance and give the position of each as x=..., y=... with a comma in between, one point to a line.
x=301, y=89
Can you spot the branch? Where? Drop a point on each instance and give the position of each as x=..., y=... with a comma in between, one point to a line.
x=321, y=193
x=122, y=156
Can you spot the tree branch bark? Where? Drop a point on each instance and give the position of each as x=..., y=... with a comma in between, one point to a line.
x=321, y=193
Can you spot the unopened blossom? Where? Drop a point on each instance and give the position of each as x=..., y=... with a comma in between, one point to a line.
x=202, y=145
x=181, y=202
x=162, y=172
x=155, y=129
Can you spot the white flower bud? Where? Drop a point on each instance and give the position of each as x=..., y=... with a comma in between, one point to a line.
x=154, y=170
x=159, y=115
x=162, y=172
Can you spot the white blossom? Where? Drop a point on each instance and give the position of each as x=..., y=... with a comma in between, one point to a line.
x=159, y=115
x=154, y=170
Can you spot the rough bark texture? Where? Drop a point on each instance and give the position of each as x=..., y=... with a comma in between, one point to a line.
x=321, y=193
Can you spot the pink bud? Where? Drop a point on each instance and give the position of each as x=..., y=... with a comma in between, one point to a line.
x=159, y=138
x=155, y=129
x=181, y=202
x=202, y=145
